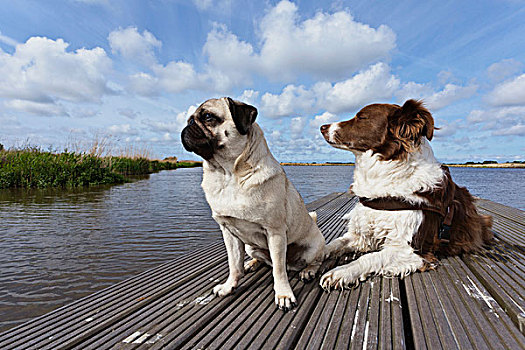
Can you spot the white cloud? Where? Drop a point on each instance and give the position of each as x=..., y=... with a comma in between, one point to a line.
x=203, y=4
x=503, y=121
x=325, y=118
x=7, y=40
x=413, y=90
x=133, y=46
x=229, y=55
x=499, y=115
x=326, y=46
x=42, y=72
x=36, y=108
x=449, y=94
x=94, y=2
x=446, y=129
x=508, y=93
x=329, y=46
x=122, y=129
x=290, y=101
x=372, y=85
x=84, y=112
x=128, y=113
x=172, y=125
x=515, y=130
x=144, y=84
x=176, y=77
x=173, y=77
x=297, y=125
x=219, y=5
x=435, y=100
x=249, y=97
x=503, y=69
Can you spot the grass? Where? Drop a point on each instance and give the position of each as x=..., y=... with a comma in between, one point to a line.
x=34, y=168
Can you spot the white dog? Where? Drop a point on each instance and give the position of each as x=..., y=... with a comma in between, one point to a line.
x=257, y=208
x=409, y=206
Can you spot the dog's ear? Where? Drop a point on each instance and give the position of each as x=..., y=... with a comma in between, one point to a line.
x=243, y=115
x=411, y=122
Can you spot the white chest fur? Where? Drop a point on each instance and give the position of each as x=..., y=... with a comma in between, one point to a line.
x=238, y=209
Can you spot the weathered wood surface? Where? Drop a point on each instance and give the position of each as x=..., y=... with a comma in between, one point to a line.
x=475, y=301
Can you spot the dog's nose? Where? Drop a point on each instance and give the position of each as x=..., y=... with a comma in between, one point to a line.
x=324, y=128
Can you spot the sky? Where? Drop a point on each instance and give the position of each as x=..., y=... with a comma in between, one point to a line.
x=126, y=74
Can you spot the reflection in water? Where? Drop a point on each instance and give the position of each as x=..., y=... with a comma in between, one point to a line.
x=57, y=246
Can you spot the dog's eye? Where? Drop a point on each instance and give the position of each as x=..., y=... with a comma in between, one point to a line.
x=208, y=117
x=360, y=117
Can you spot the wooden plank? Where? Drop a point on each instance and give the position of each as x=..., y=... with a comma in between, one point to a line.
x=385, y=315
x=372, y=336
x=453, y=291
x=415, y=319
x=494, y=325
x=429, y=328
x=179, y=300
x=508, y=231
x=318, y=203
x=503, y=283
x=474, y=301
x=439, y=314
x=274, y=316
x=510, y=213
x=347, y=329
x=359, y=336
x=398, y=339
x=70, y=321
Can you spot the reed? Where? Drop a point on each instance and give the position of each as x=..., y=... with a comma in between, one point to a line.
x=33, y=168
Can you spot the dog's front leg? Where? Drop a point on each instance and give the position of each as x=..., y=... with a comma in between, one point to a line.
x=235, y=250
x=391, y=261
x=284, y=297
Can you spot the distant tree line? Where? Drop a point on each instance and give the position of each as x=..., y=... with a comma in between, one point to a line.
x=495, y=162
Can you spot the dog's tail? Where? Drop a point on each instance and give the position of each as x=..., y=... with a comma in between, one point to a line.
x=486, y=225
x=313, y=215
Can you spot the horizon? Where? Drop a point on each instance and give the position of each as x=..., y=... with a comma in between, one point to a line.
x=132, y=71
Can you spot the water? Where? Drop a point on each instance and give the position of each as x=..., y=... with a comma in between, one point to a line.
x=57, y=246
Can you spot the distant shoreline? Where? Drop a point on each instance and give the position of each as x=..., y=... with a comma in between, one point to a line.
x=498, y=165
x=314, y=164
x=480, y=165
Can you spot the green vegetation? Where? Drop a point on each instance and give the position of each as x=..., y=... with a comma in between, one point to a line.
x=34, y=168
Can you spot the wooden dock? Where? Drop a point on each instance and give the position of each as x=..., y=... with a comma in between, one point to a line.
x=475, y=301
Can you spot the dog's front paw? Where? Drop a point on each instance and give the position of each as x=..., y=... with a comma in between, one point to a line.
x=223, y=289
x=339, y=278
x=285, y=300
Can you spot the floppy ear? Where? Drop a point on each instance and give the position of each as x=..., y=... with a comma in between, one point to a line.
x=411, y=122
x=243, y=115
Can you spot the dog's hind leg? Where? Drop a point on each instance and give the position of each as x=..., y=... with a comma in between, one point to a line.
x=259, y=257
x=308, y=273
x=353, y=241
x=338, y=247
x=252, y=266
x=391, y=261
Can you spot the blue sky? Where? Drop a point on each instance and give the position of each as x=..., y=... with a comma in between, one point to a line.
x=125, y=74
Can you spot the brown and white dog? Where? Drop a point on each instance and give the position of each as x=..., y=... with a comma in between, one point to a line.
x=409, y=207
